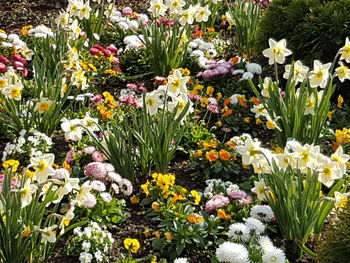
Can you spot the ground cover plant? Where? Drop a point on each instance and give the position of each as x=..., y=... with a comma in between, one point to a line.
x=148, y=132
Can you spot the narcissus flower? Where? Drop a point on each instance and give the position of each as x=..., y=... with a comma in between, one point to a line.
x=345, y=51
x=43, y=105
x=43, y=166
x=319, y=76
x=277, y=52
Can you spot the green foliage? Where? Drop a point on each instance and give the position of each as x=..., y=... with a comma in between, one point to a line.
x=166, y=46
x=335, y=242
x=293, y=193
x=160, y=136
x=313, y=28
x=246, y=19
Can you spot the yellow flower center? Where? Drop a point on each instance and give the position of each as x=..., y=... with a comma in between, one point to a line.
x=305, y=156
x=327, y=171
x=277, y=50
x=44, y=106
x=15, y=92
x=3, y=83
x=41, y=166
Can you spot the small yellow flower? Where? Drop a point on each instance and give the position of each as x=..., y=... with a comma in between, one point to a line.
x=145, y=187
x=330, y=115
x=340, y=102
x=155, y=206
x=26, y=232
x=134, y=199
x=11, y=163
x=246, y=120
x=156, y=234
x=197, y=197
x=132, y=245
x=209, y=91
x=168, y=235
x=270, y=125
x=218, y=96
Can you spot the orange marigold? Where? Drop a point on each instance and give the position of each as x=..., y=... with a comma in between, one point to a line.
x=224, y=155
x=211, y=156
x=194, y=218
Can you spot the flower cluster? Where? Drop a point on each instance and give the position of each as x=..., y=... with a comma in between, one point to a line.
x=295, y=156
x=73, y=129
x=33, y=143
x=90, y=244
x=171, y=97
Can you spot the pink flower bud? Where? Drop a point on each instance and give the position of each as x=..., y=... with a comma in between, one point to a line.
x=96, y=98
x=18, y=65
x=106, y=52
x=127, y=11
x=117, y=69
x=94, y=51
x=17, y=57
x=4, y=60
x=115, y=61
x=98, y=47
x=2, y=67
x=25, y=72
x=113, y=49
x=131, y=86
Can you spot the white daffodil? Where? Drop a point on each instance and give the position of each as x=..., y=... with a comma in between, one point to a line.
x=43, y=105
x=340, y=158
x=80, y=80
x=202, y=14
x=72, y=129
x=267, y=87
x=13, y=91
x=67, y=217
x=310, y=105
x=277, y=52
x=306, y=156
x=177, y=83
x=83, y=192
x=75, y=29
x=345, y=51
x=152, y=102
x=251, y=152
x=342, y=72
x=74, y=6
x=187, y=16
x=341, y=199
x=89, y=123
x=285, y=160
x=63, y=19
x=84, y=11
x=328, y=171
x=260, y=190
x=175, y=6
x=299, y=72
x=48, y=234
x=46, y=188
x=259, y=110
x=157, y=8
x=180, y=102
x=319, y=76
x=27, y=191
x=67, y=186
x=43, y=166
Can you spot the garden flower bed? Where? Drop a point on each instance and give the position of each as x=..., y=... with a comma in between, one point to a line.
x=163, y=132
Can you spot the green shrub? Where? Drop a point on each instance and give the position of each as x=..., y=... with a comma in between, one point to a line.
x=314, y=29
x=335, y=243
